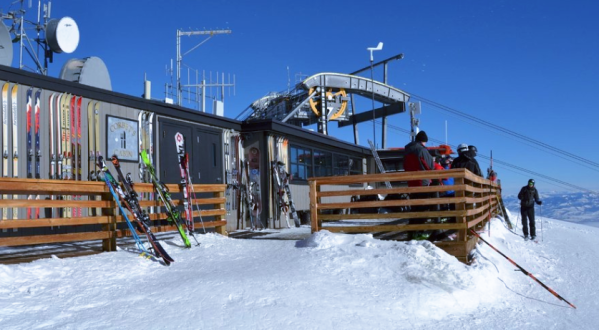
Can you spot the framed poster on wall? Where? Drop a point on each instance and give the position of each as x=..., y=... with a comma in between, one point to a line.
x=122, y=138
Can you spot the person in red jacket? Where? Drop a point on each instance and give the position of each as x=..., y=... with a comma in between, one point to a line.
x=418, y=158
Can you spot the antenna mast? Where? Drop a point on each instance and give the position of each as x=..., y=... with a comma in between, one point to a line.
x=180, y=33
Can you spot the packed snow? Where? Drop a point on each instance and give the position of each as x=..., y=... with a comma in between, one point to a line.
x=323, y=281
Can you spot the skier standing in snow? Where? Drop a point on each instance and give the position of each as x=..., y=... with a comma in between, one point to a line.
x=528, y=196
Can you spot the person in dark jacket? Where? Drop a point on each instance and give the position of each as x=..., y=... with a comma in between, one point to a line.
x=418, y=158
x=528, y=196
x=473, y=152
x=465, y=160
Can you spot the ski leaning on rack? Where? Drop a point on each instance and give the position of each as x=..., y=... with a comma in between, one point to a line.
x=5, y=88
x=29, y=142
x=38, y=151
x=131, y=202
x=173, y=214
x=15, y=143
x=187, y=186
x=118, y=195
x=282, y=179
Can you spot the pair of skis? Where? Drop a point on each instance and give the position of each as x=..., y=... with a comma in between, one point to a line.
x=93, y=144
x=186, y=185
x=15, y=140
x=33, y=155
x=146, y=120
x=129, y=198
x=173, y=214
x=281, y=179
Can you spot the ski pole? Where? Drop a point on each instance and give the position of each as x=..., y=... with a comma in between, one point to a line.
x=524, y=270
x=541, y=216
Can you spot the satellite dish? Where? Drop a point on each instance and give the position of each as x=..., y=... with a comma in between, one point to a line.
x=5, y=46
x=62, y=35
x=89, y=71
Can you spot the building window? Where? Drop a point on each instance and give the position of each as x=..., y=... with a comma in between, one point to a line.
x=300, y=163
x=341, y=165
x=355, y=166
x=323, y=163
x=306, y=163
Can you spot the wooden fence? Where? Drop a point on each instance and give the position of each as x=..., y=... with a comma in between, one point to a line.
x=428, y=208
x=99, y=218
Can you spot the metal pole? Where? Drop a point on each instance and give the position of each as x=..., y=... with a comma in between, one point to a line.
x=396, y=57
x=540, y=216
x=384, y=132
x=373, y=110
x=178, y=67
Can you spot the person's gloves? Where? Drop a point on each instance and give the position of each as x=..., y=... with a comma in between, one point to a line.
x=540, y=203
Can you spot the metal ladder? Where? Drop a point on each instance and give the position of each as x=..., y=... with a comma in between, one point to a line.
x=377, y=159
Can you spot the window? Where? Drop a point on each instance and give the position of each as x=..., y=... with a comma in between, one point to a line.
x=323, y=163
x=341, y=165
x=307, y=162
x=355, y=166
x=300, y=163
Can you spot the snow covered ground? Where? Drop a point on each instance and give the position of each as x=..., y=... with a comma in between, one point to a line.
x=326, y=281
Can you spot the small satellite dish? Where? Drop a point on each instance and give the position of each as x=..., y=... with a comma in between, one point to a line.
x=62, y=35
x=89, y=71
x=5, y=46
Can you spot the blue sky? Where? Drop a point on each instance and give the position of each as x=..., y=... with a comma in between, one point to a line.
x=528, y=66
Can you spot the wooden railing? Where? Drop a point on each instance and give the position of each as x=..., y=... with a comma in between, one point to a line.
x=99, y=220
x=476, y=200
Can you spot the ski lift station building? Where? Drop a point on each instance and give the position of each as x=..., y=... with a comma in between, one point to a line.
x=211, y=142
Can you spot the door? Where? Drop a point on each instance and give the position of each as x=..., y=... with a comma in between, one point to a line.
x=204, y=146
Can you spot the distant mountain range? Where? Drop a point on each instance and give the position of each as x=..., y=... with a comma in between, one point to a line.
x=573, y=207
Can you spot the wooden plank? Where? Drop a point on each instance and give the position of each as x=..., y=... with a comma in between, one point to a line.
x=476, y=221
x=391, y=177
x=204, y=213
x=398, y=227
x=43, y=203
x=33, y=223
x=207, y=224
x=25, y=187
x=58, y=238
x=384, y=191
x=398, y=215
x=407, y=202
x=202, y=201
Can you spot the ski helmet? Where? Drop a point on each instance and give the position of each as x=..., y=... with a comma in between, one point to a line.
x=462, y=148
x=531, y=182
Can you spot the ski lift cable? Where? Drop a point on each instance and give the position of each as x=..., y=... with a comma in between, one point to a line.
x=504, y=130
x=506, y=164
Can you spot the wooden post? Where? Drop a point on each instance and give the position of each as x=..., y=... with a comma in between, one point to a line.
x=220, y=229
x=462, y=233
x=315, y=224
x=109, y=244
